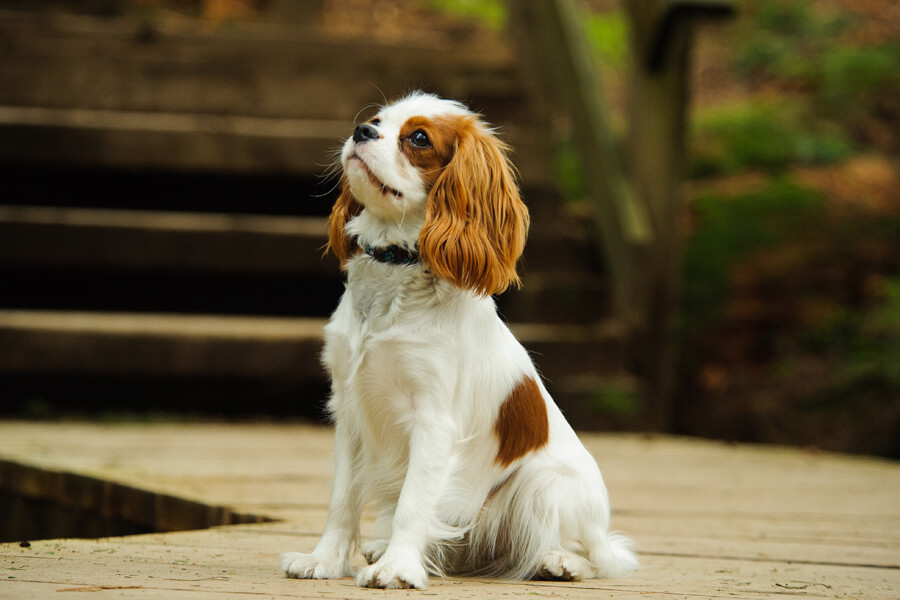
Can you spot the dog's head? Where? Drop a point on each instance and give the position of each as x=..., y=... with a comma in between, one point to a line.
x=434, y=161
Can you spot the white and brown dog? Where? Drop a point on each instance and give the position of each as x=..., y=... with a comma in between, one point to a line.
x=440, y=416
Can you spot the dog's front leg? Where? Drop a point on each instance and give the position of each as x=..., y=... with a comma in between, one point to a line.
x=381, y=531
x=331, y=557
x=403, y=563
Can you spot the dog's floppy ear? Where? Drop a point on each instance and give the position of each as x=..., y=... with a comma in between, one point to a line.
x=345, y=208
x=475, y=221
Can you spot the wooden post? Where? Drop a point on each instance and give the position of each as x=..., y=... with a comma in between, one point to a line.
x=551, y=36
x=656, y=152
x=661, y=40
x=637, y=220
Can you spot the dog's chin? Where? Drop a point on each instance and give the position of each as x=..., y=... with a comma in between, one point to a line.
x=383, y=201
x=360, y=172
x=374, y=198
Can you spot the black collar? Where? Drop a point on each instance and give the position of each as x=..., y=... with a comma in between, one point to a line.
x=393, y=255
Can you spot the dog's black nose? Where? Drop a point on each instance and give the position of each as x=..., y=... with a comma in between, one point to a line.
x=365, y=132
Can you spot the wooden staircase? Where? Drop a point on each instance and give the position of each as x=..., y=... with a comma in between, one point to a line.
x=163, y=216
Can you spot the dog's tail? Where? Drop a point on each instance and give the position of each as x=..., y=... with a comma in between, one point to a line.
x=612, y=554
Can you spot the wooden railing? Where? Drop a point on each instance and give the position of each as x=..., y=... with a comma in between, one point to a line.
x=636, y=217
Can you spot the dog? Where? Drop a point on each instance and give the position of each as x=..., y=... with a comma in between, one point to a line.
x=440, y=416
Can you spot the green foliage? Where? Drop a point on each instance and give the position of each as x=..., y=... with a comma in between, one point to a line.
x=567, y=171
x=490, y=13
x=786, y=18
x=784, y=39
x=732, y=228
x=881, y=334
x=861, y=345
x=615, y=401
x=852, y=78
x=804, y=329
x=792, y=42
x=768, y=136
x=607, y=34
x=872, y=348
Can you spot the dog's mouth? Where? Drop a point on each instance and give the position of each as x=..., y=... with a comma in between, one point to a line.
x=385, y=189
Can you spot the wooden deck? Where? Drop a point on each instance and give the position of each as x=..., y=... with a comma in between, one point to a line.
x=711, y=520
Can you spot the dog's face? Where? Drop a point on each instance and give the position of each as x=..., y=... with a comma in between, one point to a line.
x=432, y=161
x=392, y=161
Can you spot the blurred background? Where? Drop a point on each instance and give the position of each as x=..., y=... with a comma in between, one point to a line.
x=165, y=178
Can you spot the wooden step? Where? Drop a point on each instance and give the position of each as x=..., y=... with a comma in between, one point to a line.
x=562, y=351
x=557, y=298
x=66, y=236
x=54, y=363
x=124, y=91
x=131, y=344
x=177, y=141
x=711, y=520
x=198, y=141
x=133, y=62
x=86, y=506
x=71, y=237
x=254, y=347
x=607, y=401
x=62, y=258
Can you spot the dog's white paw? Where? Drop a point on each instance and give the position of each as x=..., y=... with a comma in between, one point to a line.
x=392, y=575
x=374, y=550
x=310, y=566
x=559, y=565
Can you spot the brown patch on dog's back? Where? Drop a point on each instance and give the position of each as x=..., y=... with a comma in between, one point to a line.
x=522, y=425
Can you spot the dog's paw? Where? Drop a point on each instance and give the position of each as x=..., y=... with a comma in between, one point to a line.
x=310, y=566
x=374, y=550
x=392, y=575
x=559, y=565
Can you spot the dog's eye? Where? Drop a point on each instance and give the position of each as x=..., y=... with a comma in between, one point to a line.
x=375, y=122
x=419, y=139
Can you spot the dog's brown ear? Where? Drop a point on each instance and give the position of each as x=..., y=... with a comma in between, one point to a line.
x=346, y=207
x=475, y=221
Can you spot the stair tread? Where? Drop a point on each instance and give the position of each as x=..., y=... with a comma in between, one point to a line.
x=191, y=240
x=257, y=348
x=254, y=327
x=187, y=222
x=179, y=222
x=185, y=141
x=168, y=325
x=91, y=237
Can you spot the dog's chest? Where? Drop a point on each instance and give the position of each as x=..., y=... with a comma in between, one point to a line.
x=372, y=343
x=377, y=323
x=386, y=295
x=376, y=304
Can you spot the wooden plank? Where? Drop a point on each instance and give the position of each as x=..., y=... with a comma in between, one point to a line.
x=263, y=70
x=654, y=28
x=657, y=114
x=698, y=476
x=130, y=506
x=557, y=297
x=160, y=345
x=130, y=92
x=143, y=239
x=125, y=239
x=253, y=347
x=551, y=37
x=711, y=520
x=199, y=141
x=202, y=564
x=180, y=142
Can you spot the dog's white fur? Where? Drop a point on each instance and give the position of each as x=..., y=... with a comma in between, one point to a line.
x=420, y=369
